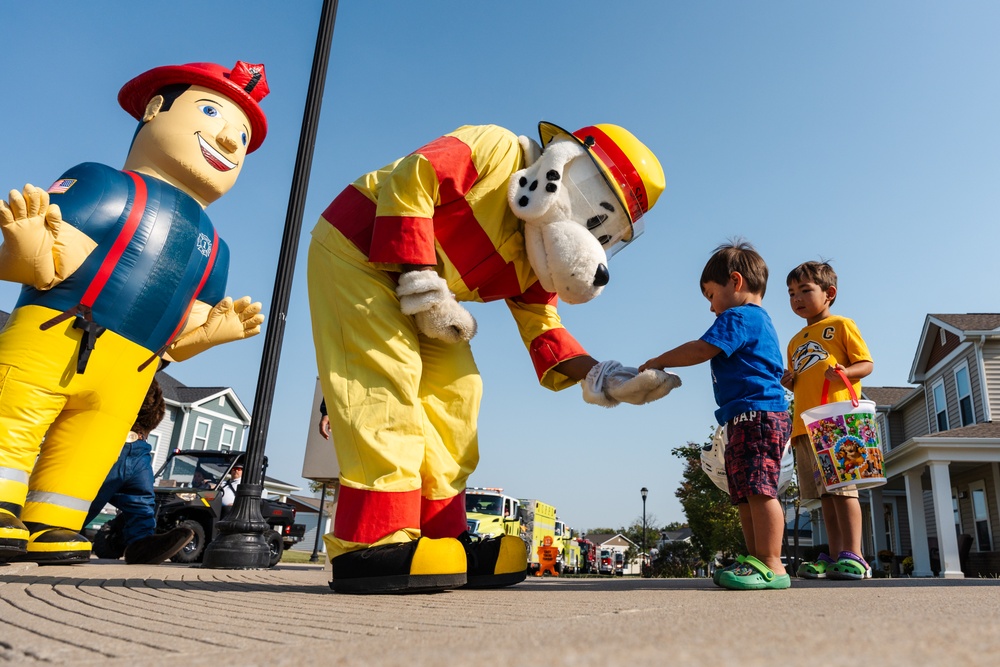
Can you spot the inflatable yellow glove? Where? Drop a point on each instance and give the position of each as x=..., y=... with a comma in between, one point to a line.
x=38, y=249
x=226, y=322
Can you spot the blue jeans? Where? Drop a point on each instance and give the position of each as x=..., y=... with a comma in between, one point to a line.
x=129, y=487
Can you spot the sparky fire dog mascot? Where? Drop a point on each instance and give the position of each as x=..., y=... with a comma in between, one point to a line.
x=477, y=215
x=118, y=267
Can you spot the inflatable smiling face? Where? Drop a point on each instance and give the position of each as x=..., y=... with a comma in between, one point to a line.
x=580, y=201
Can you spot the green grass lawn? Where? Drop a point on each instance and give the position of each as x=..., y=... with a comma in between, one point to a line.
x=301, y=557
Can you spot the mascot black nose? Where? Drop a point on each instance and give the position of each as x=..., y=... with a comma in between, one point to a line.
x=602, y=276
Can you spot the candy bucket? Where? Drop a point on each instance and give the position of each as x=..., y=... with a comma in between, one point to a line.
x=845, y=440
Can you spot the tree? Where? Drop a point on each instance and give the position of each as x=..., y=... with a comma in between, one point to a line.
x=714, y=522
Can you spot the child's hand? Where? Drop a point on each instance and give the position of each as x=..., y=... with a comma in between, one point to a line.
x=652, y=363
x=832, y=375
x=788, y=380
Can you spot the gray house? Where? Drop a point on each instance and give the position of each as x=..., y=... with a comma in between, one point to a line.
x=207, y=418
x=942, y=454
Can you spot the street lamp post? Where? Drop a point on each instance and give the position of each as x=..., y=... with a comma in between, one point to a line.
x=319, y=526
x=240, y=543
x=645, y=492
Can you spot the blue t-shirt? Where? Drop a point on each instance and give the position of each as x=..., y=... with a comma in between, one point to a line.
x=746, y=375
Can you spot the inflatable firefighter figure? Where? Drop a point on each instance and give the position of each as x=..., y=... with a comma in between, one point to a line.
x=118, y=268
x=476, y=215
x=547, y=557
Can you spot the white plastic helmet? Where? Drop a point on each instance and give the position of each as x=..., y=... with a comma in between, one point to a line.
x=713, y=462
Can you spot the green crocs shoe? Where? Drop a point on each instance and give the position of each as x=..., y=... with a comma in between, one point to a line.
x=752, y=575
x=731, y=566
x=816, y=569
x=849, y=565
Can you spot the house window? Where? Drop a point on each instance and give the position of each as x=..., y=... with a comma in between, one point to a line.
x=228, y=438
x=981, y=517
x=153, y=441
x=940, y=405
x=201, y=429
x=964, y=389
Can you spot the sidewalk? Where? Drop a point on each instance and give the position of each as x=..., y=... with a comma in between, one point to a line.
x=108, y=613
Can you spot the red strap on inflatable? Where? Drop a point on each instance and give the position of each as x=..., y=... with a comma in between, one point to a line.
x=847, y=382
x=118, y=248
x=111, y=260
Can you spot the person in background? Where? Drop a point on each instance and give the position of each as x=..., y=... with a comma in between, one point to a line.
x=129, y=487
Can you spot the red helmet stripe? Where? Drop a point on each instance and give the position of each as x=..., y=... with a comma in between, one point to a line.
x=621, y=168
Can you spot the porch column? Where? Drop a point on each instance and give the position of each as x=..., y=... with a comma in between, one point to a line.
x=918, y=523
x=944, y=515
x=878, y=520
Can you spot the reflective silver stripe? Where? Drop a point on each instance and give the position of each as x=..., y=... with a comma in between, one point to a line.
x=58, y=499
x=14, y=475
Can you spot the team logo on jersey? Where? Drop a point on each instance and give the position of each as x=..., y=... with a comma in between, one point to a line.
x=204, y=245
x=807, y=355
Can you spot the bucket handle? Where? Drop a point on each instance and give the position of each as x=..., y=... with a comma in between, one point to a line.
x=850, y=388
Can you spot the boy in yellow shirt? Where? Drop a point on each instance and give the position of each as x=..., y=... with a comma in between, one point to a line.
x=827, y=344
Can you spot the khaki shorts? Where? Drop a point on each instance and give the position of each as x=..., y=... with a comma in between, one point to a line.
x=810, y=480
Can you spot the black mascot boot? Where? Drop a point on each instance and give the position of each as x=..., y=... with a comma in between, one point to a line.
x=156, y=548
x=423, y=566
x=495, y=562
x=13, y=536
x=52, y=545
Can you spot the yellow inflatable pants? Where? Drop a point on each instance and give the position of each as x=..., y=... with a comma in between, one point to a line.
x=84, y=419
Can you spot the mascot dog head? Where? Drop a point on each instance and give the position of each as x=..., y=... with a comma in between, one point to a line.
x=580, y=201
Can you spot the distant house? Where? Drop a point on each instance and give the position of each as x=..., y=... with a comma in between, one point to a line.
x=616, y=542
x=307, y=512
x=942, y=453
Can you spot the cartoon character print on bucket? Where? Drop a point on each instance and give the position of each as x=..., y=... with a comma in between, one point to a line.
x=845, y=439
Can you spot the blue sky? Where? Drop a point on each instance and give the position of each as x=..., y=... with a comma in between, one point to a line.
x=865, y=133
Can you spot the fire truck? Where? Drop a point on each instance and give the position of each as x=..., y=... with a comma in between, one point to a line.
x=490, y=512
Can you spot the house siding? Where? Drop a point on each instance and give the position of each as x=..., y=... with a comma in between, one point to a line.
x=915, y=422
x=226, y=409
x=991, y=364
x=939, y=351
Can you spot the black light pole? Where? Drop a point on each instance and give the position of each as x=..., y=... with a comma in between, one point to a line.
x=241, y=543
x=319, y=524
x=644, y=491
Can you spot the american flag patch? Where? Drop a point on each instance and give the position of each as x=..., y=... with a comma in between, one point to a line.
x=61, y=186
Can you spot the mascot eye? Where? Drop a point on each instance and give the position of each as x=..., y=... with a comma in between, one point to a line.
x=604, y=239
x=209, y=110
x=608, y=207
x=244, y=138
x=596, y=221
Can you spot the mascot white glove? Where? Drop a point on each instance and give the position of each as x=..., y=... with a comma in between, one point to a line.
x=425, y=295
x=609, y=383
x=226, y=322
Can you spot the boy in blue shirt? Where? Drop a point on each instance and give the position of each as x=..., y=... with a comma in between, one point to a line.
x=747, y=364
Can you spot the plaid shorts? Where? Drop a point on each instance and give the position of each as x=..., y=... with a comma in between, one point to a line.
x=753, y=455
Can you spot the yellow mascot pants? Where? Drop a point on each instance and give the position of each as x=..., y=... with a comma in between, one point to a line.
x=84, y=419
x=403, y=408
